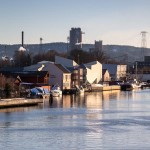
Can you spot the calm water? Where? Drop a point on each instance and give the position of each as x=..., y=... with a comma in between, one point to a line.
x=108, y=120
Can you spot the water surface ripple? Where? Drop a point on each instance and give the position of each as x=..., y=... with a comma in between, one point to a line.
x=93, y=121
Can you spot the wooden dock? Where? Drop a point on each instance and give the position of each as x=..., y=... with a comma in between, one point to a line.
x=16, y=102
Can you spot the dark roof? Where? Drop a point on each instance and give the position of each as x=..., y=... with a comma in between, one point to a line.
x=11, y=69
x=71, y=69
x=83, y=66
x=104, y=71
x=31, y=73
x=26, y=73
x=61, y=67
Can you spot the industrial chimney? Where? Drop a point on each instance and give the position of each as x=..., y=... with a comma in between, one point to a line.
x=22, y=39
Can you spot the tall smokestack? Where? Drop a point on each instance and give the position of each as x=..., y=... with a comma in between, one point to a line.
x=22, y=39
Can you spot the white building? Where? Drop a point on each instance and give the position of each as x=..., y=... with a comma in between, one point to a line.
x=116, y=71
x=92, y=72
x=65, y=62
x=58, y=73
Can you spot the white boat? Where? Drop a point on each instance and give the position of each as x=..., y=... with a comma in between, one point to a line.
x=135, y=84
x=56, y=91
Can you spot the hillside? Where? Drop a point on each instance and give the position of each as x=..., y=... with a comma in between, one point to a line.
x=118, y=52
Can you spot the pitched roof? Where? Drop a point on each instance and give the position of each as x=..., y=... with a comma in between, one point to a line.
x=62, y=68
x=112, y=68
x=65, y=61
x=31, y=73
x=11, y=69
x=104, y=71
x=26, y=73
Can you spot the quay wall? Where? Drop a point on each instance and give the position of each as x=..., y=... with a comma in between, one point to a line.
x=106, y=88
x=19, y=102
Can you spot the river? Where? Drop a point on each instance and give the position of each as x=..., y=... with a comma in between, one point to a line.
x=92, y=121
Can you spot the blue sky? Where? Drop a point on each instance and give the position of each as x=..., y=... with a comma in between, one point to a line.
x=113, y=21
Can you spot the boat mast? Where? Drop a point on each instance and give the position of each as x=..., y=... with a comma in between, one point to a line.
x=136, y=70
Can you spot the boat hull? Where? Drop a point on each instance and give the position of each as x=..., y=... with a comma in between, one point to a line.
x=56, y=93
x=126, y=87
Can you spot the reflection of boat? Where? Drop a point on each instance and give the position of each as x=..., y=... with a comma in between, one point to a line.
x=56, y=91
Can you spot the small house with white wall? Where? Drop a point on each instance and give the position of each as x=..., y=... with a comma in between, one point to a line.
x=117, y=72
x=65, y=62
x=106, y=75
x=58, y=74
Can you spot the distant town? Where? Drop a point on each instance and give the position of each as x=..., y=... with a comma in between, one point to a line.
x=77, y=65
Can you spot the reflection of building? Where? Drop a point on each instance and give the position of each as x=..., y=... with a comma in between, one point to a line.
x=94, y=100
x=75, y=38
x=67, y=99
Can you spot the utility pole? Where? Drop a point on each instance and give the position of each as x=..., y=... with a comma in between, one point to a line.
x=136, y=70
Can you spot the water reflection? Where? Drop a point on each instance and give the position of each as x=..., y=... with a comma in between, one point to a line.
x=87, y=100
x=18, y=109
x=94, y=100
x=98, y=120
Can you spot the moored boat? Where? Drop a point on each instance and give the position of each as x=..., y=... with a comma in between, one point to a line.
x=130, y=85
x=56, y=91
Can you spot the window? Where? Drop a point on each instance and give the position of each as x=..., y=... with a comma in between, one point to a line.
x=66, y=76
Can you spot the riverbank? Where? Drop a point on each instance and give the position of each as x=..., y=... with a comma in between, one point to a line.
x=17, y=102
x=105, y=88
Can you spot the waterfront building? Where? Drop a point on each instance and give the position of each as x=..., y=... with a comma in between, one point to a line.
x=76, y=75
x=75, y=38
x=106, y=75
x=141, y=70
x=92, y=72
x=86, y=73
x=117, y=72
x=65, y=62
x=147, y=58
x=74, y=68
x=58, y=74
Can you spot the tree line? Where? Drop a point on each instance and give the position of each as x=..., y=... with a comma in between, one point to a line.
x=24, y=58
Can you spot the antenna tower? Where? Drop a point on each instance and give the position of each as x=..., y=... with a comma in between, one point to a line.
x=144, y=41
